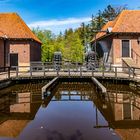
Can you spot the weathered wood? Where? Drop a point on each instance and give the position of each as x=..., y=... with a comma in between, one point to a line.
x=44, y=70
x=80, y=71
x=92, y=72
x=115, y=72
x=8, y=72
x=16, y=71
x=68, y=70
x=133, y=73
x=103, y=73
x=31, y=71
x=48, y=85
x=57, y=72
x=99, y=85
x=129, y=71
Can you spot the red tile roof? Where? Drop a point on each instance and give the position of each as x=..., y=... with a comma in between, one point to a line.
x=128, y=21
x=13, y=27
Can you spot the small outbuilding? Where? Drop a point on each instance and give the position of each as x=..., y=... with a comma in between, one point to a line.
x=118, y=43
x=18, y=45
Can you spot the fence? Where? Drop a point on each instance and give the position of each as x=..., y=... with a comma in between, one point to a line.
x=68, y=70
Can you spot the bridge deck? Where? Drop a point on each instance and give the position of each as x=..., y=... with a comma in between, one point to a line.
x=30, y=72
x=121, y=75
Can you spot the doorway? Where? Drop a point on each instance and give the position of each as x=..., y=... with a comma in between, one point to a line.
x=125, y=48
x=14, y=59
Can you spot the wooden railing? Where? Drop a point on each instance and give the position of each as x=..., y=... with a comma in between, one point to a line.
x=70, y=70
x=135, y=56
x=4, y=72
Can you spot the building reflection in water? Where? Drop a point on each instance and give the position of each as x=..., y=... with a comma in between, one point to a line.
x=17, y=108
x=120, y=106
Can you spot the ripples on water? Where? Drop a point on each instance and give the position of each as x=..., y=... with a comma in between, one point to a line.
x=70, y=111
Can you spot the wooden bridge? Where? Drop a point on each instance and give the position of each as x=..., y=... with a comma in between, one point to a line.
x=68, y=70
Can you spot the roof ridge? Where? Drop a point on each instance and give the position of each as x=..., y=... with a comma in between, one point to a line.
x=118, y=18
x=8, y=13
x=125, y=10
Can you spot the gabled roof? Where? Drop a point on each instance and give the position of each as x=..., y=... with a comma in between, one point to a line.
x=128, y=21
x=13, y=27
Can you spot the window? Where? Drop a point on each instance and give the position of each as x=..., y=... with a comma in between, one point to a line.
x=125, y=48
x=127, y=111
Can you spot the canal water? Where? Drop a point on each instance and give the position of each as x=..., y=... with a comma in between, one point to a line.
x=69, y=111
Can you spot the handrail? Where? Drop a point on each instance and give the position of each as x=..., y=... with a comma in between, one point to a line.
x=68, y=69
x=5, y=70
x=99, y=85
x=137, y=58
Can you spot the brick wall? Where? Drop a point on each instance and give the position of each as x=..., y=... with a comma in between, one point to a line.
x=23, y=50
x=136, y=50
x=117, y=49
x=117, y=52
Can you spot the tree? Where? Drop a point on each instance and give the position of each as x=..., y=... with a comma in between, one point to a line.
x=77, y=49
x=110, y=13
x=47, y=39
x=73, y=43
x=74, y=49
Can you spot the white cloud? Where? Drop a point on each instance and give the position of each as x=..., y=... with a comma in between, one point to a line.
x=59, y=25
x=59, y=22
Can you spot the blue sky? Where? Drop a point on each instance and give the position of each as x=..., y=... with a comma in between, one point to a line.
x=58, y=15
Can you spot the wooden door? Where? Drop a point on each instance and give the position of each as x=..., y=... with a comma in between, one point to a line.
x=13, y=59
x=125, y=48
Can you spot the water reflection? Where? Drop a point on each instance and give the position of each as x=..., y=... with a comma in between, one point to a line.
x=73, y=92
x=70, y=111
x=18, y=106
x=120, y=106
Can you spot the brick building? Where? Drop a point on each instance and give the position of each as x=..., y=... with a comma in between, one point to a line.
x=120, y=46
x=18, y=45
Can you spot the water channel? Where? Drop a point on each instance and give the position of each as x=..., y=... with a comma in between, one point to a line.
x=72, y=110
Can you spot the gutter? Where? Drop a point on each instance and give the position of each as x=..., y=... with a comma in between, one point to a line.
x=106, y=35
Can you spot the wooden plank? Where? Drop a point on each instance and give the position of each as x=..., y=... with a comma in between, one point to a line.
x=100, y=86
x=49, y=84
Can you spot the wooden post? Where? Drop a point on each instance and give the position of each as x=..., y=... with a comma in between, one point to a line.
x=92, y=72
x=110, y=67
x=115, y=72
x=44, y=70
x=129, y=72
x=16, y=71
x=77, y=66
x=30, y=71
x=80, y=71
x=8, y=72
x=69, y=69
x=133, y=73
x=103, y=74
x=57, y=71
